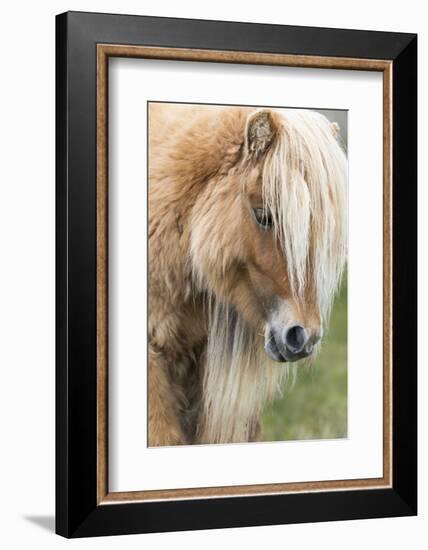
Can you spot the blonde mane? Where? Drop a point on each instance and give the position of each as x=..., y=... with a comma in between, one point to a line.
x=304, y=187
x=239, y=379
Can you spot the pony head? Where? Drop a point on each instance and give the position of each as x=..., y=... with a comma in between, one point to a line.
x=269, y=230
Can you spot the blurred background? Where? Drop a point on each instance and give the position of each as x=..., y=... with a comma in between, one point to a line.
x=314, y=402
x=341, y=117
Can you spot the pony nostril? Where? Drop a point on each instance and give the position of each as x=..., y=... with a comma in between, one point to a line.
x=295, y=338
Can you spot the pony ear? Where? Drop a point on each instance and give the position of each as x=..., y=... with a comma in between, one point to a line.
x=260, y=132
x=335, y=129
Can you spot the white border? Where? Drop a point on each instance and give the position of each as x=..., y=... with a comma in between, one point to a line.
x=134, y=467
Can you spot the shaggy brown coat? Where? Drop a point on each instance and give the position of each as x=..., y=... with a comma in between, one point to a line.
x=213, y=273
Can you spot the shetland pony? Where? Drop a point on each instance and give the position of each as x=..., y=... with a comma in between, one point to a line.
x=247, y=245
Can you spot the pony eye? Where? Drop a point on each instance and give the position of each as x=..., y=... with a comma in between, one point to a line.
x=263, y=218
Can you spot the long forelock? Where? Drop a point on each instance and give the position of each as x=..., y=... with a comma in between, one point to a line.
x=304, y=187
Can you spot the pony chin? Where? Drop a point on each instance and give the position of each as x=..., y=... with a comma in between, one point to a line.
x=239, y=379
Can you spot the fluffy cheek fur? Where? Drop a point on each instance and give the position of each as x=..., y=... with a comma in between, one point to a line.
x=220, y=252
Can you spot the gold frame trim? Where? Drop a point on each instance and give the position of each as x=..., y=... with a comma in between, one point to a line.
x=104, y=51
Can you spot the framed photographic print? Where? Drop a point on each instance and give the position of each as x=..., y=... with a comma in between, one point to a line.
x=236, y=274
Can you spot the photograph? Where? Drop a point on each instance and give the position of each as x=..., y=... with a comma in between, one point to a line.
x=247, y=280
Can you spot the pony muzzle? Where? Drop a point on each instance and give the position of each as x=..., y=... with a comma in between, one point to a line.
x=290, y=343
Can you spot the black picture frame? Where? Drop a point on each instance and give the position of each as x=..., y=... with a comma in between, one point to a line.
x=77, y=511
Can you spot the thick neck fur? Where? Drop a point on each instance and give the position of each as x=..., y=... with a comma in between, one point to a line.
x=185, y=154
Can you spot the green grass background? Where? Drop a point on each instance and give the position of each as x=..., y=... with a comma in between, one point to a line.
x=314, y=402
